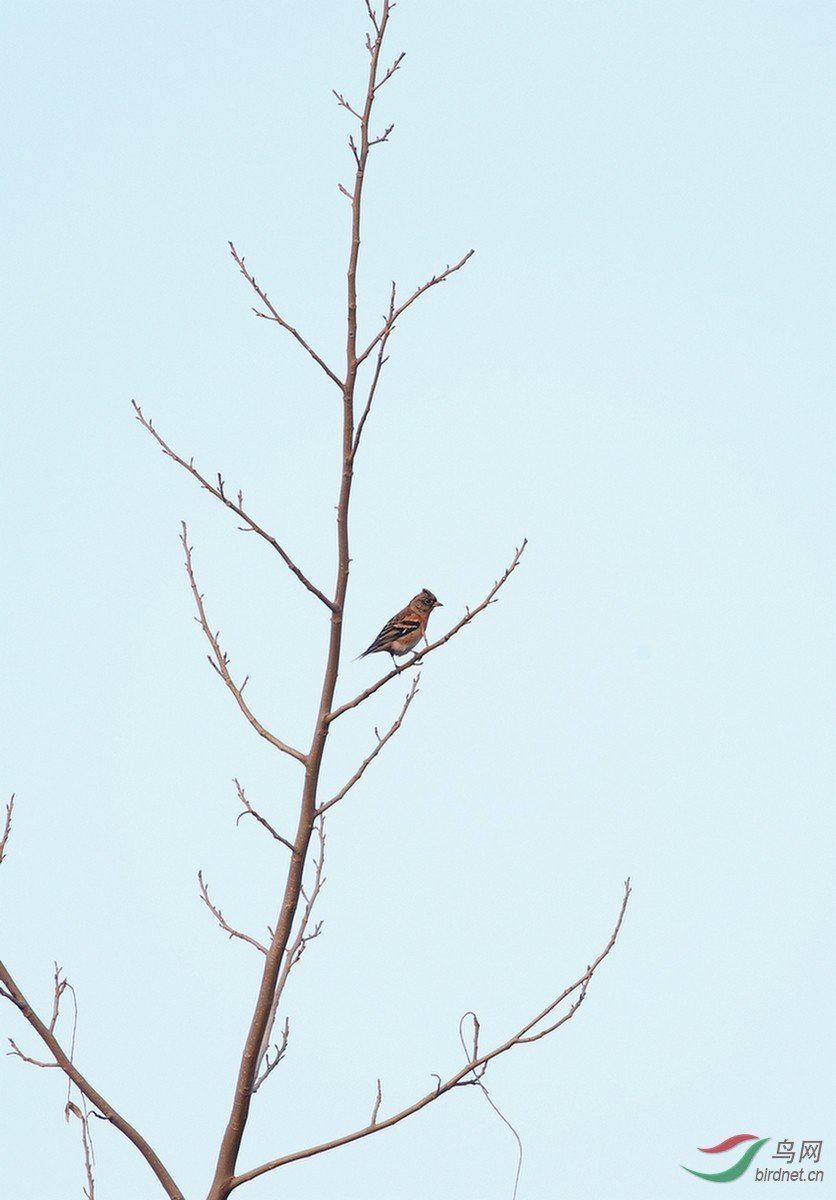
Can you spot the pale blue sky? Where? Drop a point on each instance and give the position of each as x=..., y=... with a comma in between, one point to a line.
x=635, y=372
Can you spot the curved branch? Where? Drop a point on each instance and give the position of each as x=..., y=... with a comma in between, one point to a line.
x=238, y=509
x=252, y=812
x=219, y=917
x=459, y=1079
x=422, y=654
x=12, y=992
x=220, y=661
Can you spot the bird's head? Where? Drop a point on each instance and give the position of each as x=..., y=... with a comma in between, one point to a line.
x=425, y=601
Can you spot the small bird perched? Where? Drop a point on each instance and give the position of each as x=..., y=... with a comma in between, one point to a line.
x=407, y=627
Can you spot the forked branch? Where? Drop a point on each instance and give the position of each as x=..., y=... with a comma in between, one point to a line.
x=473, y=1068
x=12, y=992
x=381, y=742
x=388, y=75
x=382, y=336
x=395, y=313
x=451, y=633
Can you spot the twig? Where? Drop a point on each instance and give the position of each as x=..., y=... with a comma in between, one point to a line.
x=343, y=103
x=219, y=917
x=275, y=315
x=381, y=360
x=378, y=1100
x=383, y=137
x=59, y=986
x=252, y=526
x=250, y=811
x=373, y=19
x=279, y=1052
x=220, y=660
x=7, y=828
x=16, y=1051
x=460, y=1077
x=389, y=73
x=422, y=654
x=381, y=742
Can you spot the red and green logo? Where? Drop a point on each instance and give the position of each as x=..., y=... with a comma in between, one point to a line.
x=738, y=1168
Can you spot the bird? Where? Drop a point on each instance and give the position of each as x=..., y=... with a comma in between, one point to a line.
x=406, y=628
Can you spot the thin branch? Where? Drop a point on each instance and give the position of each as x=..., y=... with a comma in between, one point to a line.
x=12, y=992
x=59, y=986
x=250, y=811
x=7, y=828
x=381, y=742
x=381, y=359
x=294, y=952
x=274, y=315
x=378, y=1100
x=401, y=309
x=389, y=73
x=422, y=654
x=237, y=507
x=220, y=660
x=384, y=137
x=343, y=103
x=280, y=1050
x=374, y=21
x=16, y=1051
x=459, y=1079
x=219, y=917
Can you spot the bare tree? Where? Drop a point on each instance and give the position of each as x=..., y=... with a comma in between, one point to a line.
x=355, y=383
